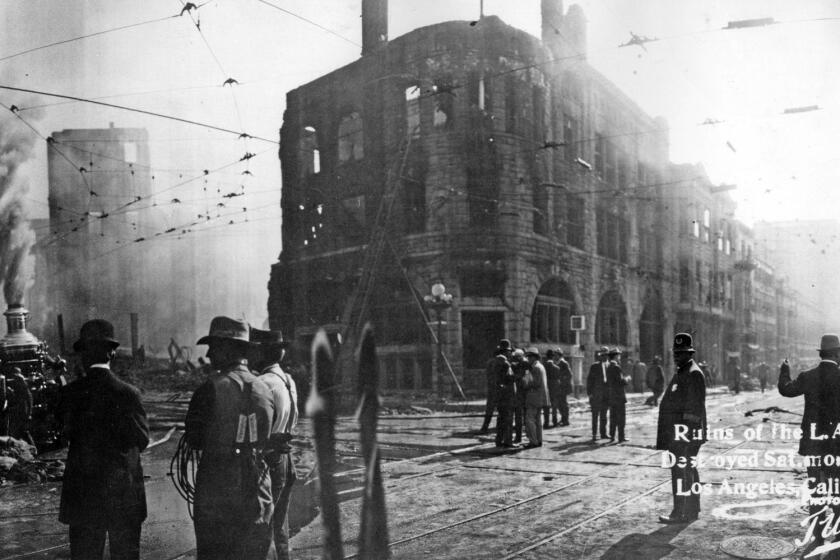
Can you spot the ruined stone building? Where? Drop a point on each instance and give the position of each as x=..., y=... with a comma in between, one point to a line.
x=526, y=182
x=101, y=207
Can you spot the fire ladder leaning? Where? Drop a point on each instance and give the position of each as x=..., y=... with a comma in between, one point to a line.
x=356, y=309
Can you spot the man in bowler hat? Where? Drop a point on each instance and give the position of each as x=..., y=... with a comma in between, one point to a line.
x=821, y=388
x=268, y=349
x=229, y=420
x=105, y=424
x=596, y=389
x=491, y=370
x=682, y=416
x=617, y=396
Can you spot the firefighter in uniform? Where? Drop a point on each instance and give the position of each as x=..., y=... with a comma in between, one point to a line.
x=229, y=420
x=268, y=351
x=103, y=491
x=683, y=405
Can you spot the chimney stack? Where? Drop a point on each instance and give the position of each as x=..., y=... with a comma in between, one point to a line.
x=552, y=22
x=16, y=335
x=574, y=32
x=374, y=25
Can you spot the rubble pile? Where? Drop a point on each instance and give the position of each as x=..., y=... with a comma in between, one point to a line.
x=18, y=464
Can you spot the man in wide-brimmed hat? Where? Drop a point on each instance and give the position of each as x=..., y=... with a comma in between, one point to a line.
x=267, y=350
x=229, y=420
x=821, y=388
x=596, y=389
x=683, y=409
x=105, y=424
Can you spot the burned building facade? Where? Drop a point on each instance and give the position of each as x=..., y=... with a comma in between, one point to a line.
x=511, y=171
x=504, y=167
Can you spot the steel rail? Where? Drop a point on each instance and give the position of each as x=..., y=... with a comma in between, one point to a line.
x=602, y=513
x=596, y=474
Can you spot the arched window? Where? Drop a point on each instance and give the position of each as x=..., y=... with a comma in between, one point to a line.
x=350, y=138
x=611, y=322
x=310, y=154
x=412, y=110
x=550, y=317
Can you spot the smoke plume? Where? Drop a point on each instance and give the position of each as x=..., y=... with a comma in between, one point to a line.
x=16, y=237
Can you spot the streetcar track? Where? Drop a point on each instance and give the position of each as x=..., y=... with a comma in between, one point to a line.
x=610, y=509
x=597, y=474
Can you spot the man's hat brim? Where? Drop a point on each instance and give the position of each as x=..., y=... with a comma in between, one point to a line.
x=213, y=338
x=80, y=344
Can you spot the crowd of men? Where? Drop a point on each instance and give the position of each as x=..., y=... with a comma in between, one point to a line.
x=526, y=392
x=523, y=389
x=521, y=385
x=240, y=420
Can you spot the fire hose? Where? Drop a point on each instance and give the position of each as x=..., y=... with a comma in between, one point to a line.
x=182, y=469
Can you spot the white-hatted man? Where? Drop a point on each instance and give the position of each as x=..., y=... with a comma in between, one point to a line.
x=268, y=349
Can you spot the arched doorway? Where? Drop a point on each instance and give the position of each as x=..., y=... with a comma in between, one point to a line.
x=550, y=316
x=611, y=321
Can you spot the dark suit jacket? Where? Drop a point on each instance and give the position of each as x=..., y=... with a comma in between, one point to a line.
x=106, y=426
x=595, y=386
x=821, y=388
x=655, y=378
x=684, y=402
x=565, y=377
x=615, y=385
x=552, y=372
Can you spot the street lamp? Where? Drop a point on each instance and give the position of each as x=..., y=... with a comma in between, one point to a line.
x=439, y=301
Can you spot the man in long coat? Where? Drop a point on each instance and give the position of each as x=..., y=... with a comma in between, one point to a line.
x=763, y=371
x=565, y=386
x=520, y=367
x=104, y=422
x=229, y=420
x=733, y=374
x=655, y=380
x=505, y=391
x=552, y=373
x=492, y=385
x=536, y=398
x=596, y=389
x=682, y=429
x=821, y=388
x=616, y=395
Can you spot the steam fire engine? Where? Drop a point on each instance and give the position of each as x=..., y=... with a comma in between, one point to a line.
x=30, y=381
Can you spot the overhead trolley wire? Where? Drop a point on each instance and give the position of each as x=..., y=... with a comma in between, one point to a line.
x=136, y=110
x=310, y=22
x=65, y=41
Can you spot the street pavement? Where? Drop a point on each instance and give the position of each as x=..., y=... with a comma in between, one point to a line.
x=451, y=493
